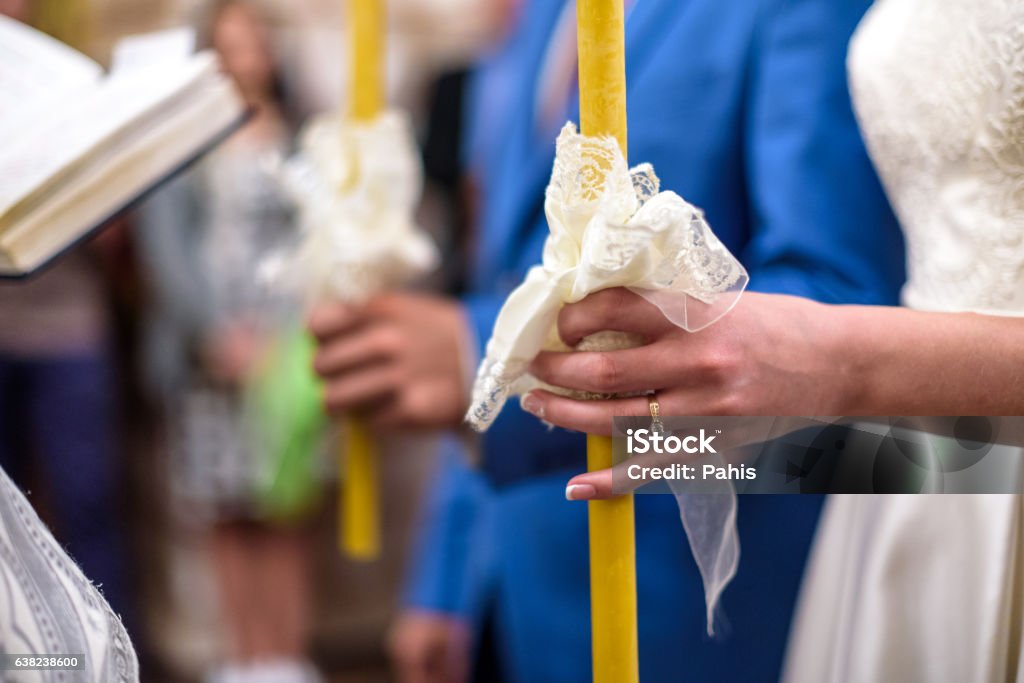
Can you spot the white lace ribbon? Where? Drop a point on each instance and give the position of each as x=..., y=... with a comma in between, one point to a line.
x=612, y=227
x=356, y=186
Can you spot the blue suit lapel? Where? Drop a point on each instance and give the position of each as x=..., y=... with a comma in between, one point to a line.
x=527, y=165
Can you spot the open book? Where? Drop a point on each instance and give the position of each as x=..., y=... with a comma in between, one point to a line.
x=79, y=145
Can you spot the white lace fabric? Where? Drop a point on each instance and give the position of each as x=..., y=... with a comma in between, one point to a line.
x=610, y=227
x=356, y=186
x=613, y=227
x=939, y=94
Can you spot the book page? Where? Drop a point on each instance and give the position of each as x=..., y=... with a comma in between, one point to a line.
x=35, y=67
x=120, y=172
x=159, y=48
x=66, y=136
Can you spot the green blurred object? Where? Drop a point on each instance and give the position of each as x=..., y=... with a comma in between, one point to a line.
x=288, y=423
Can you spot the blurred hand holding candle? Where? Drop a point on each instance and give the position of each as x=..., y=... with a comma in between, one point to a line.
x=356, y=181
x=359, y=513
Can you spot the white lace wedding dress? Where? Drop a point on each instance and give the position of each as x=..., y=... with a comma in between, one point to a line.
x=48, y=607
x=930, y=589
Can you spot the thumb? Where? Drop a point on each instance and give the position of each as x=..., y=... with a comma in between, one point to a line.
x=595, y=485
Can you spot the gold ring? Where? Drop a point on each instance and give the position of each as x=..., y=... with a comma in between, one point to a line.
x=654, y=406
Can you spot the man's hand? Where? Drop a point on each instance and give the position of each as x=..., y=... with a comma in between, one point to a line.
x=429, y=647
x=398, y=361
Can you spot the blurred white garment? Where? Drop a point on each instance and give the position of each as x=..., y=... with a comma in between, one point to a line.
x=345, y=177
x=930, y=588
x=48, y=607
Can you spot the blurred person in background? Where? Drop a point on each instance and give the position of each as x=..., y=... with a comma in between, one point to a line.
x=58, y=389
x=204, y=240
x=753, y=123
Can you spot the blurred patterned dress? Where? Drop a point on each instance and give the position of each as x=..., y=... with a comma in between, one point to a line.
x=208, y=239
x=930, y=588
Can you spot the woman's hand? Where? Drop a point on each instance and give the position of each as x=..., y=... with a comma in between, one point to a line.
x=771, y=355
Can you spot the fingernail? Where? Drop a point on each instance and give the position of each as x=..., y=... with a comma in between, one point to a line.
x=580, y=492
x=533, y=405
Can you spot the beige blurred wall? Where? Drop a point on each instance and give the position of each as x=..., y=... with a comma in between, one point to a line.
x=425, y=38
x=113, y=19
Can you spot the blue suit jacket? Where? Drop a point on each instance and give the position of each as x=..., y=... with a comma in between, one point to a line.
x=743, y=109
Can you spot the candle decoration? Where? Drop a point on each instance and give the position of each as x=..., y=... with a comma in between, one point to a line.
x=356, y=181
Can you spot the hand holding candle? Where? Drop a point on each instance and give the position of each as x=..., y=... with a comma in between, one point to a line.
x=356, y=181
x=359, y=511
x=610, y=226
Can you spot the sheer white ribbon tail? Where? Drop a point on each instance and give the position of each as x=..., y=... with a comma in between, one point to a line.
x=710, y=523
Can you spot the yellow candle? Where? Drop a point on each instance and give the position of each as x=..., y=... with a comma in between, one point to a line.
x=602, y=66
x=602, y=73
x=359, y=520
x=366, y=20
x=612, y=579
x=359, y=511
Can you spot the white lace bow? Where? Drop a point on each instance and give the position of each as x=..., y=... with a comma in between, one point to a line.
x=356, y=186
x=610, y=227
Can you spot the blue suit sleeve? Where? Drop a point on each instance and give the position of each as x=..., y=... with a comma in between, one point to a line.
x=481, y=312
x=822, y=227
x=452, y=560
